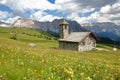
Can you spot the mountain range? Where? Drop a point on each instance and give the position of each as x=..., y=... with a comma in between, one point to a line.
x=47, y=26
x=107, y=29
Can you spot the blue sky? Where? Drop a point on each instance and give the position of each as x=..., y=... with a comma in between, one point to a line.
x=83, y=11
x=52, y=1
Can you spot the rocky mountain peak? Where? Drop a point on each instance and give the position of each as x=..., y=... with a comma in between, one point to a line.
x=23, y=23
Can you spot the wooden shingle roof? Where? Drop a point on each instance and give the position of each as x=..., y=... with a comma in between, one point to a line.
x=78, y=36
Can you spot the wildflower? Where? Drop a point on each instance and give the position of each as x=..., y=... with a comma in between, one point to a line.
x=2, y=55
x=49, y=78
x=25, y=78
x=69, y=71
x=88, y=78
x=28, y=69
x=1, y=76
x=22, y=63
x=82, y=74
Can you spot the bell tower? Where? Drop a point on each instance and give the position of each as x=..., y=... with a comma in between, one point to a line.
x=64, y=29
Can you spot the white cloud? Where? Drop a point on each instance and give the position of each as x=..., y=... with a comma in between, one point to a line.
x=94, y=3
x=105, y=9
x=110, y=14
x=19, y=7
x=109, y=9
x=12, y=20
x=107, y=13
x=42, y=16
x=37, y=15
x=76, y=7
x=48, y=18
x=82, y=5
x=4, y=14
x=66, y=6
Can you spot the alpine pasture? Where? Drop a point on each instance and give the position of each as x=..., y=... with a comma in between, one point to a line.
x=44, y=61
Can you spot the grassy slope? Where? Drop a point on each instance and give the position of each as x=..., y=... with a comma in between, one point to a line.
x=18, y=61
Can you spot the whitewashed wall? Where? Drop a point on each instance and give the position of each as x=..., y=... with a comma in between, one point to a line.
x=88, y=44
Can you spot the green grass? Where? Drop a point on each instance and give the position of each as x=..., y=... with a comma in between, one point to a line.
x=18, y=61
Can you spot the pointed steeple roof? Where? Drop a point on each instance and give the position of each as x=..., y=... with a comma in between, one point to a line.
x=64, y=22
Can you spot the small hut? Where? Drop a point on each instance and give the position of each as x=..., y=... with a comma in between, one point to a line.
x=79, y=41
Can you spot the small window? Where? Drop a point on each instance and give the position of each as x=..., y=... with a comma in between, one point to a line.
x=65, y=26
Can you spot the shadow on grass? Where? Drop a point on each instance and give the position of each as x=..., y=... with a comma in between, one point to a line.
x=56, y=48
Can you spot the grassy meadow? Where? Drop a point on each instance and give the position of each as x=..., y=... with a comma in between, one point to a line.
x=20, y=61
